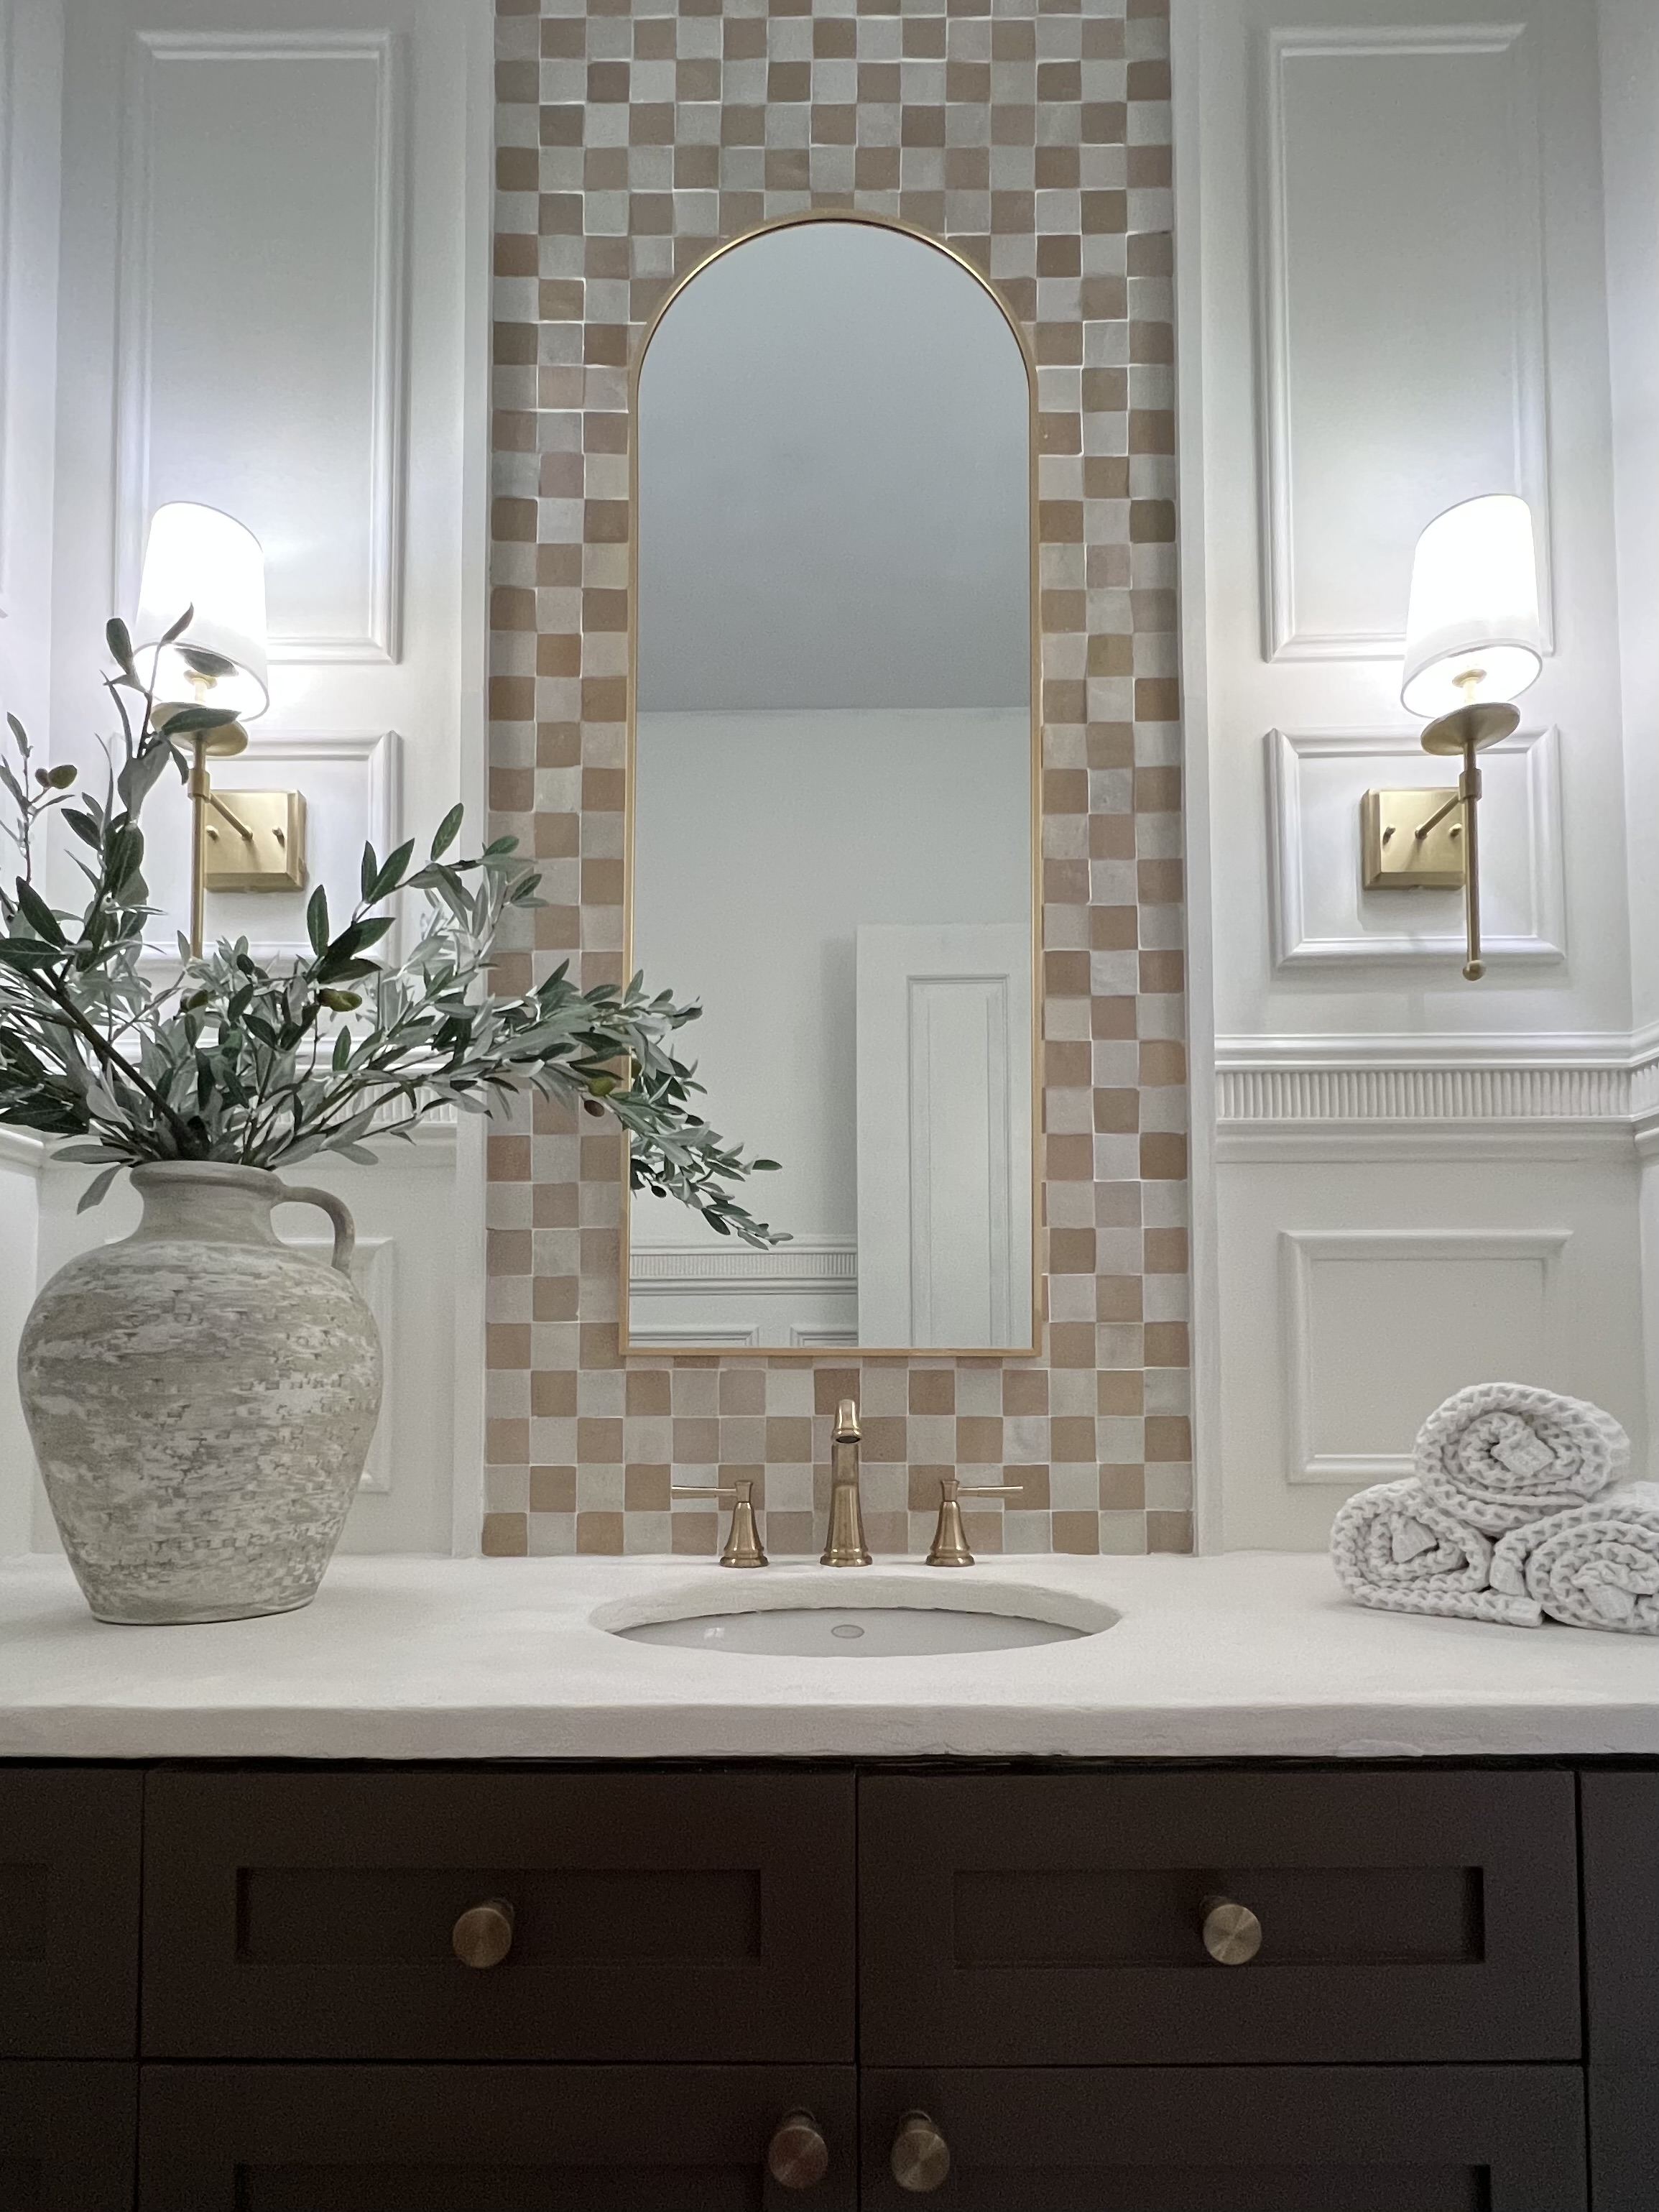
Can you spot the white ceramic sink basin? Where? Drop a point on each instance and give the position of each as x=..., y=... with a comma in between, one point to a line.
x=889, y=1616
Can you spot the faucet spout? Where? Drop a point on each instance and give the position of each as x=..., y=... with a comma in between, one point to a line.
x=844, y=1547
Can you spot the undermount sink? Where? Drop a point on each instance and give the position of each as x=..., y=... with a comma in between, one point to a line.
x=889, y=1617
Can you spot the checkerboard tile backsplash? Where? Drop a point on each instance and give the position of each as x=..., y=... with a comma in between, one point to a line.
x=1035, y=139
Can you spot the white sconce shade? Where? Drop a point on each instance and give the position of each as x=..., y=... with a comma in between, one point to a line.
x=1474, y=606
x=199, y=558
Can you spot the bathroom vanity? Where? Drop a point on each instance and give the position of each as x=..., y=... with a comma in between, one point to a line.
x=375, y=1921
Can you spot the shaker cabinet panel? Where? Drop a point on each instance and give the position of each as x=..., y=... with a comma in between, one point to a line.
x=67, y=2136
x=606, y=1916
x=70, y=1845
x=1064, y=1919
x=1620, y=1813
x=1222, y=2139
x=487, y=2138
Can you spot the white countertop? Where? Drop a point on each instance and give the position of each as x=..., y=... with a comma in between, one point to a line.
x=1251, y=1654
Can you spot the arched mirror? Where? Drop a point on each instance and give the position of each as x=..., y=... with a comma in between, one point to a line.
x=832, y=789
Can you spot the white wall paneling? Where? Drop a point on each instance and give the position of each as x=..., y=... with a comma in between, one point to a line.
x=1401, y=225
x=1322, y=913
x=301, y=134
x=680, y=1294
x=1394, y=276
x=1379, y=1327
x=270, y=291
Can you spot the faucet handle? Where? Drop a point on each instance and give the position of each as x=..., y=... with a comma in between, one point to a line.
x=949, y=1544
x=846, y=1430
x=743, y=1543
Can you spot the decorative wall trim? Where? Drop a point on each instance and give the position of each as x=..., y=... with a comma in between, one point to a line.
x=1300, y=1252
x=1294, y=946
x=1423, y=1094
x=680, y=1336
x=9, y=277
x=675, y=1270
x=1285, y=639
x=381, y=640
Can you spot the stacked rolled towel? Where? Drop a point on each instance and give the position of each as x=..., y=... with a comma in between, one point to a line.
x=1500, y=1455
x=1397, y=1548
x=1594, y=1566
x=1525, y=1466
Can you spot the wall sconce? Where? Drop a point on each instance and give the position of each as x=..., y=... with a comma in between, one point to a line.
x=197, y=557
x=1473, y=643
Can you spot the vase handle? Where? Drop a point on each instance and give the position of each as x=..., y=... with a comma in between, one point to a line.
x=345, y=1229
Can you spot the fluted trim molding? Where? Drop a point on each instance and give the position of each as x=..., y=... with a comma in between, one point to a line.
x=1424, y=1094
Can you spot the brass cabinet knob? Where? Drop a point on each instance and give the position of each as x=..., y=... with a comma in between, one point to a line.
x=483, y=1935
x=1232, y=1934
x=921, y=2157
x=797, y=2157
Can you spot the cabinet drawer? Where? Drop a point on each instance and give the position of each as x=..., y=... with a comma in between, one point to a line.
x=69, y=1911
x=1058, y=1919
x=653, y=1915
x=1225, y=2139
x=486, y=2138
x=67, y=2136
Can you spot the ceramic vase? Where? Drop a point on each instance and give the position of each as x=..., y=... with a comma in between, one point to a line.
x=202, y=1398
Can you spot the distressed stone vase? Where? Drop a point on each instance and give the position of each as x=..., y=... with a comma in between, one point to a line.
x=201, y=1399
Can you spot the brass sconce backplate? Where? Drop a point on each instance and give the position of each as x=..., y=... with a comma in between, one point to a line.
x=1399, y=853
x=255, y=842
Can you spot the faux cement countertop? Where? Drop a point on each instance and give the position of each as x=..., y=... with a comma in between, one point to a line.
x=1251, y=1654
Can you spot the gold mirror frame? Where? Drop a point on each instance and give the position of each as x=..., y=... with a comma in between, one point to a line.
x=839, y=1355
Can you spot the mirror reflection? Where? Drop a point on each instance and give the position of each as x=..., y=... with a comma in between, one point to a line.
x=832, y=789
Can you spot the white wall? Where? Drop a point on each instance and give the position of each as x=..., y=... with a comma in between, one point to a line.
x=1394, y=294
x=272, y=281
x=761, y=843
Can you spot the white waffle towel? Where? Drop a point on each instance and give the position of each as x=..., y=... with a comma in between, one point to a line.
x=1595, y=1566
x=1499, y=1454
x=1395, y=1547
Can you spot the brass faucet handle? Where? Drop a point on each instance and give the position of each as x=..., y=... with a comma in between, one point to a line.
x=846, y=1430
x=949, y=1544
x=742, y=1544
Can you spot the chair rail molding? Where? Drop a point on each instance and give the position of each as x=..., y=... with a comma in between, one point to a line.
x=1286, y=636
x=372, y=633
x=1301, y=1254
x=1302, y=937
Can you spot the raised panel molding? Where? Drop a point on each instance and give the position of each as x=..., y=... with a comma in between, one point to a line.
x=1304, y=939
x=1302, y=1254
x=1288, y=633
x=369, y=632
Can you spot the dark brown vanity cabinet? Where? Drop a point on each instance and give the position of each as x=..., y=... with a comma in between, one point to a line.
x=537, y=1989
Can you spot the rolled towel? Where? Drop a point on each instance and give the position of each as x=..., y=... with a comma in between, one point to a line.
x=1499, y=1454
x=1595, y=1566
x=1395, y=1547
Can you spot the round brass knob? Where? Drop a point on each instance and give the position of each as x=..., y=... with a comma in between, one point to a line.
x=797, y=2157
x=921, y=2157
x=483, y=1935
x=1232, y=1934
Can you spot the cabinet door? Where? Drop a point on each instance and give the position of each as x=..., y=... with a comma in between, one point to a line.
x=1621, y=1958
x=1058, y=1919
x=486, y=2138
x=1223, y=2139
x=66, y=2137
x=662, y=1916
x=69, y=1911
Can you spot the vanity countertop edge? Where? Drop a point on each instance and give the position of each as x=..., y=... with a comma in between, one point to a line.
x=1244, y=1654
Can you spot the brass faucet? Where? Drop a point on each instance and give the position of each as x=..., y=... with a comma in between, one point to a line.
x=743, y=1543
x=845, y=1546
x=949, y=1544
